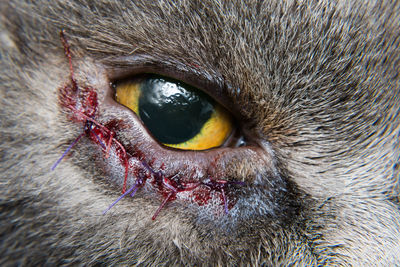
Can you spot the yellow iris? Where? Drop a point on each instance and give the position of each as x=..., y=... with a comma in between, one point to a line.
x=213, y=132
x=128, y=94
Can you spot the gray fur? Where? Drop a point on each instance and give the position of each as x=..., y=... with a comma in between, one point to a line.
x=319, y=90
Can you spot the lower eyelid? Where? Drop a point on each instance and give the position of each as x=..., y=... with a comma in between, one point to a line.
x=129, y=148
x=136, y=137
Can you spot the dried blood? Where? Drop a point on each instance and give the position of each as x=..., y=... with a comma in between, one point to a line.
x=81, y=104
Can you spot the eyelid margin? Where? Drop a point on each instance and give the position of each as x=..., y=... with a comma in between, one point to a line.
x=211, y=83
x=220, y=123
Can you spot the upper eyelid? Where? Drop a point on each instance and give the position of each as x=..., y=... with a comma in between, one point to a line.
x=209, y=81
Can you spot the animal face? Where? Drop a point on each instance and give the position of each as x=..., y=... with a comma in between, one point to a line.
x=200, y=133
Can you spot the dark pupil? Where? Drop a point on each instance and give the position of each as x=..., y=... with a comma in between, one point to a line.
x=173, y=112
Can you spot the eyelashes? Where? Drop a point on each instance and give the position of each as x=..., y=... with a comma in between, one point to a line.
x=176, y=114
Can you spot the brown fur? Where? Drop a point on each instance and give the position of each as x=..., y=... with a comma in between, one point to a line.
x=319, y=90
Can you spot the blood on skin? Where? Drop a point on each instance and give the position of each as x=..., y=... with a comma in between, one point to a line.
x=81, y=105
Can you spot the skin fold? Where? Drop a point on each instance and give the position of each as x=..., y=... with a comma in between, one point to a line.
x=314, y=87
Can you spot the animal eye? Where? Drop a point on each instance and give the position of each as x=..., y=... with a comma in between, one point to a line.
x=176, y=114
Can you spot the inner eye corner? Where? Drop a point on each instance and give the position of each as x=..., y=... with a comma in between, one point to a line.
x=179, y=116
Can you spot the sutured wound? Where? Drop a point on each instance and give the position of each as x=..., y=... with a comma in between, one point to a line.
x=81, y=104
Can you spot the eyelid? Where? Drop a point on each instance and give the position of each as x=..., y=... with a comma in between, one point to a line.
x=211, y=82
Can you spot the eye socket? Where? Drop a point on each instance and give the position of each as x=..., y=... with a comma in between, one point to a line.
x=176, y=114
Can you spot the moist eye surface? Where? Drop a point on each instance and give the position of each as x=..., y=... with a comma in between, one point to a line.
x=173, y=114
x=176, y=114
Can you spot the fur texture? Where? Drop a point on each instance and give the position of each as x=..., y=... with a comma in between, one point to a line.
x=315, y=84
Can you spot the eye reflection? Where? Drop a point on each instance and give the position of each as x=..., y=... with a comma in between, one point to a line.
x=176, y=114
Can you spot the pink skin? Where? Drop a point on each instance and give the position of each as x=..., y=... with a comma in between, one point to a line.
x=82, y=107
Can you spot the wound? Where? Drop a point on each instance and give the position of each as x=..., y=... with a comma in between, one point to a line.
x=80, y=104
